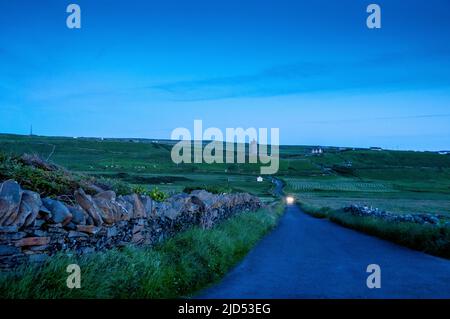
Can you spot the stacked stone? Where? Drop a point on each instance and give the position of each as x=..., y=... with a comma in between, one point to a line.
x=32, y=229
x=433, y=219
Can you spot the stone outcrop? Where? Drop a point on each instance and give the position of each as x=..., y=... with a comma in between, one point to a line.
x=432, y=219
x=10, y=199
x=33, y=228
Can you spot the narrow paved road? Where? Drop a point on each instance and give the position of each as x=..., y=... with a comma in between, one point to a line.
x=305, y=257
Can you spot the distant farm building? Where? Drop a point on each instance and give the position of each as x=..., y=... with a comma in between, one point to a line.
x=259, y=179
x=317, y=151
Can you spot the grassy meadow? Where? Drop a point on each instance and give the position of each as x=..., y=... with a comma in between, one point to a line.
x=137, y=162
x=397, y=181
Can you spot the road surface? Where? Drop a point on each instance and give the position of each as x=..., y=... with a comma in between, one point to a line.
x=306, y=257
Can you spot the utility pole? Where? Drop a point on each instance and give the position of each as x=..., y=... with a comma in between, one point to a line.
x=31, y=130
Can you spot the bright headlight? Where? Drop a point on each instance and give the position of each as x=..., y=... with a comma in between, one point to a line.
x=290, y=200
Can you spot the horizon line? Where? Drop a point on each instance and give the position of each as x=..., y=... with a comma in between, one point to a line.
x=280, y=145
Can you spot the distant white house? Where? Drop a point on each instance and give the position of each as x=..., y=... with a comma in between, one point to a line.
x=259, y=179
x=317, y=151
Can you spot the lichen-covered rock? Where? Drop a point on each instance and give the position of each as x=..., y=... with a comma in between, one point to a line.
x=106, y=195
x=75, y=234
x=79, y=216
x=112, y=209
x=88, y=229
x=33, y=241
x=147, y=202
x=166, y=210
x=28, y=209
x=34, y=203
x=60, y=214
x=107, y=210
x=86, y=202
x=10, y=198
x=205, y=197
x=138, y=207
x=126, y=206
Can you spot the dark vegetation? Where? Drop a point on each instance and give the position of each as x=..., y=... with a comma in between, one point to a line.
x=51, y=180
x=35, y=174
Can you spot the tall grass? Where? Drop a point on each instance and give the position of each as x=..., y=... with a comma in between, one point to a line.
x=431, y=239
x=318, y=212
x=179, y=267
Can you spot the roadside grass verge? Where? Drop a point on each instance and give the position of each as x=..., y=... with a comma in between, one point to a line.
x=433, y=240
x=314, y=211
x=179, y=267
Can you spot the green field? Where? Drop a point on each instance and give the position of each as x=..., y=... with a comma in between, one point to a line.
x=337, y=185
x=399, y=181
x=139, y=162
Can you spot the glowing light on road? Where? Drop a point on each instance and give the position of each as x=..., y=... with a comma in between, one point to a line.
x=290, y=200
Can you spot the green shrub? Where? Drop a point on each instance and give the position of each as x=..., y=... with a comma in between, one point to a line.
x=154, y=193
x=140, y=190
x=55, y=181
x=46, y=183
x=7, y=165
x=157, y=195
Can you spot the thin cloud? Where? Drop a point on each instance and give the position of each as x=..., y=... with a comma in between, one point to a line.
x=387, y=72
x=384, y=118
x=285, y=72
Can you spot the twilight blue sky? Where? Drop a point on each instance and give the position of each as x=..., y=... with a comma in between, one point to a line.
x=311, y=68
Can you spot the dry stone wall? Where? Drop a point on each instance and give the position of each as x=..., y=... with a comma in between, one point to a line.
x=33, y=228
x=367, y=211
